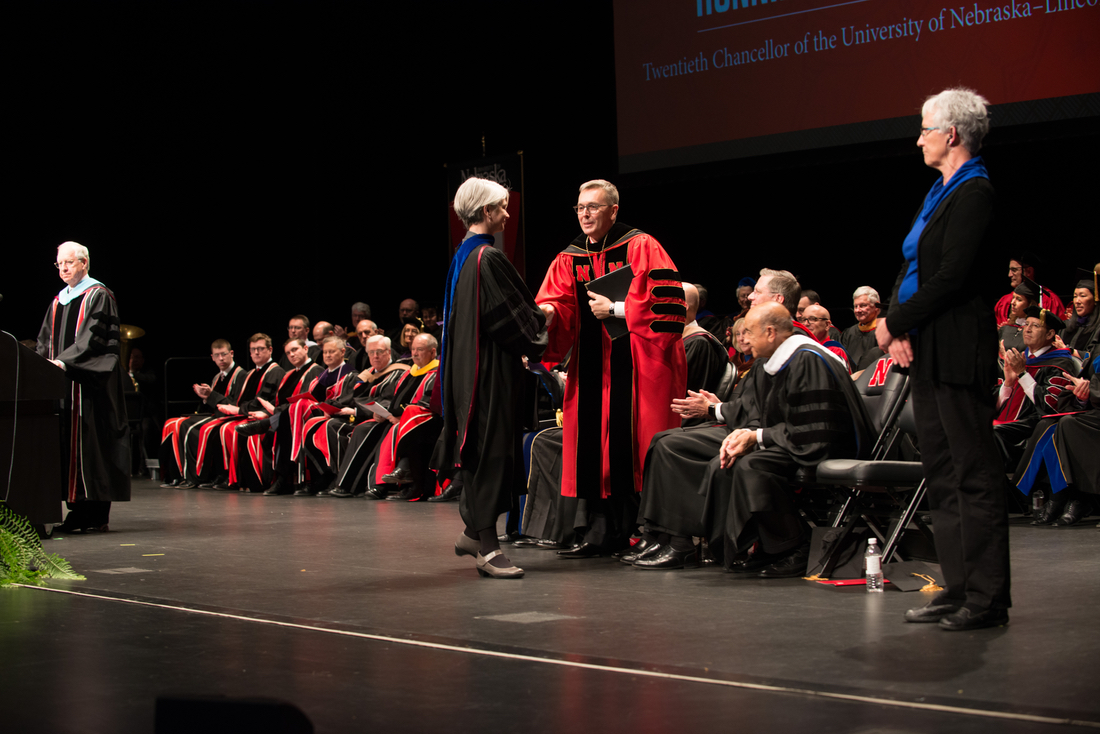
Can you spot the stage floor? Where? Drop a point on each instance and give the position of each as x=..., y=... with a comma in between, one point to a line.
x=360, y=614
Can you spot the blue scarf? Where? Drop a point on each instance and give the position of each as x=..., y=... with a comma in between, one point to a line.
x=973, y=168
x=470, y=244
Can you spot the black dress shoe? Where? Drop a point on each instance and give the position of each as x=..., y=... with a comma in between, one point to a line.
x=666, y=557
x=648, y=550
x=278, y=488
x=339, y=492
x=371, y=494
x=508, y=537
x=253, y=428
x=449, y=494
x=1050, y=511
x=751, y=563
x=934, y=611
x=526, y=542
x=632, y=550
x=304, y=490
x=398, y=476
x=584, y=550
x=548, y=544
x=172, y=484
x=185, y=484
x=1075, y=510
x=965, y=619
x=791, y=566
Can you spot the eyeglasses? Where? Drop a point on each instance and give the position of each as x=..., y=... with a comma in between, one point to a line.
x=590, y=208
x=66, y=263
x=925, y=130
x=260, y=349
x=377, y=352
x=814, y=318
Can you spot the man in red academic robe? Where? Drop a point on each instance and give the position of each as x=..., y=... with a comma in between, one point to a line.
x=638, y=374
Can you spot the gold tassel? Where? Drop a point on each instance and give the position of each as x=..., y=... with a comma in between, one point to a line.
x=931, y=585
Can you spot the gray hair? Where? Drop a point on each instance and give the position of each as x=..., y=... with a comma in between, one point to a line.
x=963, y=109
x=332, y=338
x=607, y=186
x=866, y=290
x=80, y=251
x=474, y=195
x=430, y=340
x=380, y=338
x=361, y=308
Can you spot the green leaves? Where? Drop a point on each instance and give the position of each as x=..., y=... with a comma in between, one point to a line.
x=22, y=558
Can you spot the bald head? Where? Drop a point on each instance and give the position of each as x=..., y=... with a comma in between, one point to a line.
x=767, y=326
x=691, y=295
x=817, y=320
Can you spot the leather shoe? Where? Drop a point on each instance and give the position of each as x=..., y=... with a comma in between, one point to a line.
x=965, y=619
x=791, y=566
x=172, y=484
x=931, y=612
x=466, y=546
x=1050, y=511
x=185, y=484
x=488, y=570
x=398, y=476
x=632, y=550
x=751, y=563
x=450, y=493
x=374, y=493
x=584, y=550
x=549, y=544
x=646, y=551
x=278, y=488
x=254, y=428
x=338, y=492
x=666, y=557
x=509, y=537
x=1075, y=510
x=303, y=491
x=526, y=542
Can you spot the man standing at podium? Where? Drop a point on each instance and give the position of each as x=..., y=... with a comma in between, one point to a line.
x=81, y=336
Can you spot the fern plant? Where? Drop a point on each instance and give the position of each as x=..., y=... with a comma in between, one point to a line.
x=22, y=558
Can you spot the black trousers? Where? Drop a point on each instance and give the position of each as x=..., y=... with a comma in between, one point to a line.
x=965, y=491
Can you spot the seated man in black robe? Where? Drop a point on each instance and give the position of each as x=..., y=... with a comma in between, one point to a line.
x=1036, y=383
x=805, y=410
x=859, y=338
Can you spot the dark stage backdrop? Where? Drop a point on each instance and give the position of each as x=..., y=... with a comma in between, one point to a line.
x=233, y=164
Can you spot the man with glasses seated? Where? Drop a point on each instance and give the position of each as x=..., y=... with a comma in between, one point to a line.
x=817, y=320
x=227, y=383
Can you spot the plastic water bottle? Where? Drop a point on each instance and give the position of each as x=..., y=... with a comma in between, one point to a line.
x=1038, y=497
x=872, y=564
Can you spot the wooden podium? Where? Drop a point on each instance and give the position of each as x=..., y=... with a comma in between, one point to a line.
x=32, y=407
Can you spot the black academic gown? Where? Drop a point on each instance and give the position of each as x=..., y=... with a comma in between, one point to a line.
x=492, y=322
x=95, y=455
x=809, y=412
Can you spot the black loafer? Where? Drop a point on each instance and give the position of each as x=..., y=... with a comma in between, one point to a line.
x=791, y=566
x=450, y=494
x=667, y=557
x=931, y=612
x=170, y=484
x=371, y=494
x=965, y=619
x=584, y=550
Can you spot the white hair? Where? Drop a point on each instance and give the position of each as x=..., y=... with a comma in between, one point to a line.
x=963, y=109
x=866, y=290
x=474, y=195
x=380, y=338
x=80, y=251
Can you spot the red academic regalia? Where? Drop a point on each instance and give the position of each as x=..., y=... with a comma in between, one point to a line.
x=655, y=311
